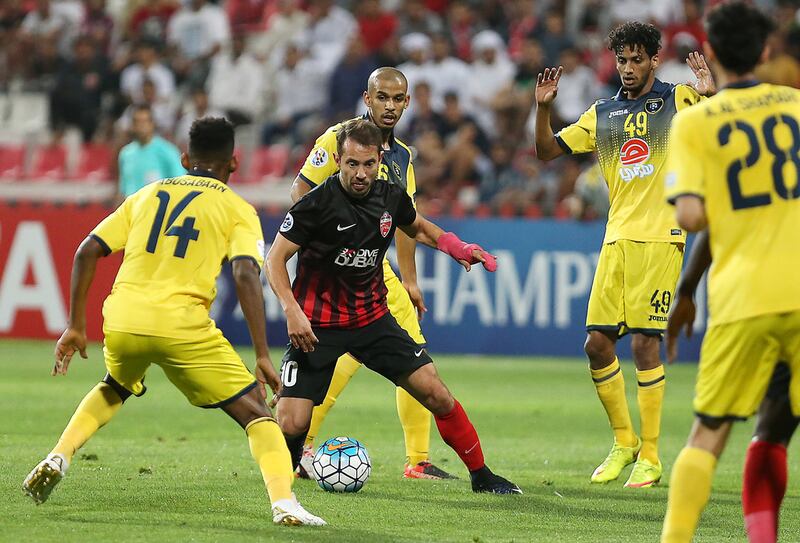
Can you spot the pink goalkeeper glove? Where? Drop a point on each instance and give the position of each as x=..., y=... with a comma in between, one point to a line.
x=449, y=244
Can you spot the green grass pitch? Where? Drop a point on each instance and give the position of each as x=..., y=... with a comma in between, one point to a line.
x=165, y=471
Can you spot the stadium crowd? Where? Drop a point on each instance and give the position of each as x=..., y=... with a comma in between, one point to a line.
x=283, y=70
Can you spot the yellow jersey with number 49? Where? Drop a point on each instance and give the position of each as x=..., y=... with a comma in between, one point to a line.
x=740, y=152
x=176, y=234
x=631, y=138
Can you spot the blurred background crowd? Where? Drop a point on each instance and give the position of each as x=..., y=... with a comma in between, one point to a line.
x=81, y=80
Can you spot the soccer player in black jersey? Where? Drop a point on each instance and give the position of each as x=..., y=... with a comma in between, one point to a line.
x=337, y=304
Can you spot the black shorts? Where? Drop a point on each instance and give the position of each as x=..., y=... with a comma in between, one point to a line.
x=382, y=346
x=778, y=388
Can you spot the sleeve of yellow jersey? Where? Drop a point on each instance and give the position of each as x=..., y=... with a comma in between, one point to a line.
x=686, y=96
x=320, y=163
x=579, y=137
x=411, y=180
x=112, y=232
x=685, y=173
x=247, y=238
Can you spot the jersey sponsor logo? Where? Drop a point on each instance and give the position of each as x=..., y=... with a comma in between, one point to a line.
x=385, y=223
x=653, y=105
x=617, y=113
x=358, y=258
x=319, y=157
x=633, y=154
x=287, y=224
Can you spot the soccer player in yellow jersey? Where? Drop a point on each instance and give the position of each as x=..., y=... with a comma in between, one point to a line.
x=386, y=98
x=733, y=168
x=643, y=247
x=176, y=233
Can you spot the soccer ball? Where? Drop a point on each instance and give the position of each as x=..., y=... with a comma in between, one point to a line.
x=341, y=464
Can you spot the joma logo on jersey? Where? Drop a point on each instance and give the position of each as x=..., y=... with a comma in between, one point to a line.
x=617, y=113
x=358, y=258
x=633, y=154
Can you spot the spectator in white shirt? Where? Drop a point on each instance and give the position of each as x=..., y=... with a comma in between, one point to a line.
x=491, y=72
x=149, y=67
x=197, y=32
x=300, y=96
x=452, y=73
x=577, y=88
x=415, y=47
x=234, y=84
x=328, y=33
x=675, y=69
x=52, y=20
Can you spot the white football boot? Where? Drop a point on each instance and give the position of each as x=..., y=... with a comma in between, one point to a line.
x=41, y=481
x=291, y=513
x=306, y=468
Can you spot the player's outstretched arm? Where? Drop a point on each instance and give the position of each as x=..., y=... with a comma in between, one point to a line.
x=246, y=276
x=74, y=337
x=297, y=324
x=683, y=308
x=547, y=147
x=426, y=232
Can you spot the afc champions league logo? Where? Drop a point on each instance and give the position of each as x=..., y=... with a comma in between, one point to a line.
x=633, y=155
x=287, y=224
x=319, y=157
x=385, y=223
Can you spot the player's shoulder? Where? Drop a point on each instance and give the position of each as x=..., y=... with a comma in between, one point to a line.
x=402, y=145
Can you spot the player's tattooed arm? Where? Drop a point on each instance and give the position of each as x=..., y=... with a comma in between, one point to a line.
x=547, y=148
x=705, y=85
x=683, y=308
x=74, y=337
x=246, y=275
x=297, y=324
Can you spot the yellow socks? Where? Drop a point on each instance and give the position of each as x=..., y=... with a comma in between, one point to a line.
x=650, y=397
x=689, y=489
x=94, y=411
x=268, y=447
x=610, y=387
x=416, y=421
x=346, y=367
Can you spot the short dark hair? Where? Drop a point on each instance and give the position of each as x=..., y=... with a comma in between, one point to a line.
x=361, y=131
x=635, y=34
x=211, y=139
x=737, y=32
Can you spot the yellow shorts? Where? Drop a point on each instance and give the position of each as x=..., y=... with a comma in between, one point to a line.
x=633, y=287
x=206, y=369
x=737, y=361
x=400, y=305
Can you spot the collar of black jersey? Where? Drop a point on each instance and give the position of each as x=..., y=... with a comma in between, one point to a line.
x=744, y=84
x=658, y=87
x=200, y=172
x=366, y=117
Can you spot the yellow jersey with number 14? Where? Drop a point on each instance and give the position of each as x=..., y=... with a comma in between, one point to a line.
x=740, y=152
x=631, y=137
x=176, y=234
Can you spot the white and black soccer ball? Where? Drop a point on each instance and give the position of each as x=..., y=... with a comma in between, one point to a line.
x=341, y=464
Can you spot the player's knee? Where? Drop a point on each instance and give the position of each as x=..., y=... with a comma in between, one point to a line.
x=645, y=350
x=599, y=351
x=440, y=401
x=293, y=424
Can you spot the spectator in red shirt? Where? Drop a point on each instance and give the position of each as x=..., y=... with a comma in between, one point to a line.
x=376, y=26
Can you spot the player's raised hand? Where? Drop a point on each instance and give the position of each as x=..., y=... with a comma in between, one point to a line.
x=704, y=85
x=300, y=333
x=417, y=298
x=70, y=342
x=682, y=316
x=547, y=85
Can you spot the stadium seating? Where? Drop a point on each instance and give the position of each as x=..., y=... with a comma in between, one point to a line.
x=94, y=163
x=12, y=162
x=49, y=163
x=267, y=164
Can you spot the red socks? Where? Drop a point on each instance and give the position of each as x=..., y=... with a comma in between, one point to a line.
x=763, y=490
x=458, y=432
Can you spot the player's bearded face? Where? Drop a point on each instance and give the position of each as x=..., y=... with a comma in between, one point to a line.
x=636, y=68
x=386, y=101
x=358, y=166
